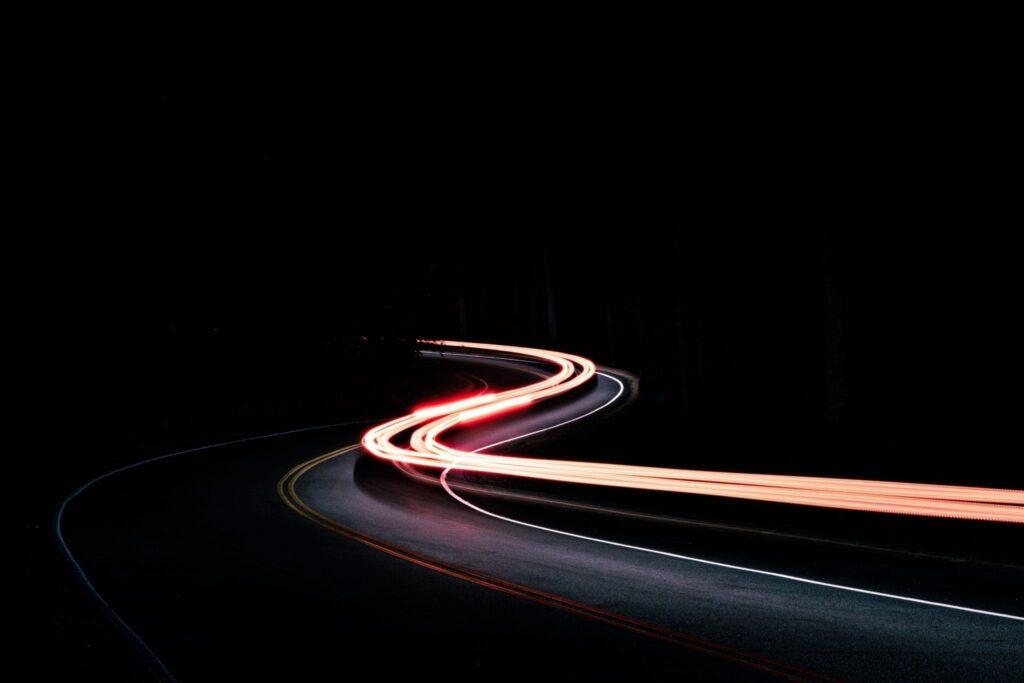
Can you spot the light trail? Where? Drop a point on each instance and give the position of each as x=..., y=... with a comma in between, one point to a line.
x=426, y=449
x=688, y=558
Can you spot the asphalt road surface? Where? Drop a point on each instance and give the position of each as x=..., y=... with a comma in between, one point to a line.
x=292, y=556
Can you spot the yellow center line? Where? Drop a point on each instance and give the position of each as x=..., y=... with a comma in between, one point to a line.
x=286, y=490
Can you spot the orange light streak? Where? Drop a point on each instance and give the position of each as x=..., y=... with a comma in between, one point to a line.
x=494, y=408
x=445, y=408
x=426, y=449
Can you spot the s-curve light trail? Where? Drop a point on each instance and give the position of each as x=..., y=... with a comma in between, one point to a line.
x=424, y=428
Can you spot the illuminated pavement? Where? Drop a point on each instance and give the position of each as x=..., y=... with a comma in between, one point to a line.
x=220, y=578
x=835, y=632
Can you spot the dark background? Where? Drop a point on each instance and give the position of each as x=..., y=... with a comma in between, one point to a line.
x=831, y=275
x=805, y=279
x=885, y=349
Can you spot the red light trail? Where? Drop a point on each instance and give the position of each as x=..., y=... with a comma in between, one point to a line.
x=426, y=449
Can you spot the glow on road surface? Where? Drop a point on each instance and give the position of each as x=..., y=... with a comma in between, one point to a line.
x=426, y=449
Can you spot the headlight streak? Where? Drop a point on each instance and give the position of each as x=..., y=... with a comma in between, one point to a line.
x=426, y=449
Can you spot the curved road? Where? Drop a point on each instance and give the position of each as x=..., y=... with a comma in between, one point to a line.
x=204, y=556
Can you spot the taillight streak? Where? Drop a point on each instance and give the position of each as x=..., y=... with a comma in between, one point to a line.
x=426, y=449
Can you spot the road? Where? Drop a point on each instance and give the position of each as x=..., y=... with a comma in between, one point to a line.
x=204, y=557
